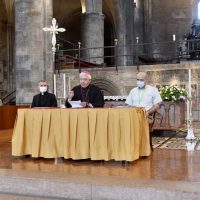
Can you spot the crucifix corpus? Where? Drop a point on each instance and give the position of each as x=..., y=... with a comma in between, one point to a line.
x=54, y=30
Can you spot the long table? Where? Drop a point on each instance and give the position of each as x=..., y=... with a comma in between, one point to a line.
x=91, y=133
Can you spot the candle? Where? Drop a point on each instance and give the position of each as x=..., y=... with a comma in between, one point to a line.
x=174, y=37
x=69, y=84
x=64, y=85
x=54, y=83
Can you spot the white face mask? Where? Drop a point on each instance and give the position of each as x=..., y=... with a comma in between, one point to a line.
x=140, y=84
x=43, y=89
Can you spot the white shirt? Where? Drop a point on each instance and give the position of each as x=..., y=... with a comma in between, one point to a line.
x=146, y=97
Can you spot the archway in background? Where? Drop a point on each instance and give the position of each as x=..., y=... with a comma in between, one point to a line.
x=68, y=14
x=107, y=86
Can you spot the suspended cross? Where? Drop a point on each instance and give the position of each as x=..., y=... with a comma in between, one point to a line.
x=54, y=30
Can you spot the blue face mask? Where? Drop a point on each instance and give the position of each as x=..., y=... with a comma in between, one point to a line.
x=140, y=84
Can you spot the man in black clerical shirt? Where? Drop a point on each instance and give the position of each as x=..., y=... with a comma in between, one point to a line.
x=89, y=94
x=44, y=99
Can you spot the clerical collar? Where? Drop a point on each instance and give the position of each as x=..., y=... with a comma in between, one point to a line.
x=43, y=93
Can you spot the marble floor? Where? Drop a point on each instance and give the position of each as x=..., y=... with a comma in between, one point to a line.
x=163, y=164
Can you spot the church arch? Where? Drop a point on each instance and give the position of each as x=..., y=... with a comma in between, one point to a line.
x=69, y=16
x=107, y=87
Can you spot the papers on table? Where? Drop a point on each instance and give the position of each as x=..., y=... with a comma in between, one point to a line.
x=76, y=104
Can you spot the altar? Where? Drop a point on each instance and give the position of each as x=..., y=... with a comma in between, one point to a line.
x=92, y=133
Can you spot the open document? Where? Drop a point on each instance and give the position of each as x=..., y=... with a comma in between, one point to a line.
x=76, y=104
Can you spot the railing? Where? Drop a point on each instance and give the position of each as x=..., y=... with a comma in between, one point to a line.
x=132, y=54
x=9, y=98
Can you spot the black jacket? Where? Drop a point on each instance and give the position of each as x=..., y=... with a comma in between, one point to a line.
x=93, y=96
x=46, y=100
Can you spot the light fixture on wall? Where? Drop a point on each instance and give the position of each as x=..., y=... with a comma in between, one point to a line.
x=174, y=37
x=137, y=39
x=83, y=6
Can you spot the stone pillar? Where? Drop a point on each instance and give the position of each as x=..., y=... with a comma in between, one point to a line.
x=33, y=56
x=93, y=31
x=124, y=31
x=11, y=81
x=3, y=54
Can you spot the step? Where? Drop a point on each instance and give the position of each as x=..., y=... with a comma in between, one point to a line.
x=78, y=186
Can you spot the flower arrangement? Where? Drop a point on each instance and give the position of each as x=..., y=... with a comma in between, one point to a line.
x=173, y=93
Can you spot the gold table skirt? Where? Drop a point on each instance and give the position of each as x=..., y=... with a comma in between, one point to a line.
x=97, y=134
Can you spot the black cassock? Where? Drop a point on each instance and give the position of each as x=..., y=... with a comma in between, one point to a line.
x=45, y=100
x=92, y=95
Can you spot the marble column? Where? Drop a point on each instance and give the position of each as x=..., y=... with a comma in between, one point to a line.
x=33, y=56
x=93, y=31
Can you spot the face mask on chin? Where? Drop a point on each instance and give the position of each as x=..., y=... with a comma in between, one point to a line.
x=140, y=84
x=43, y=89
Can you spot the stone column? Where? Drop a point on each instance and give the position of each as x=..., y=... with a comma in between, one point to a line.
x=124, y=31
x=33, y=56
x=3, y=55
x=93, y=31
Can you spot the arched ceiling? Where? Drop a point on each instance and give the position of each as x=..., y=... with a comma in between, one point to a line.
x=64, y=10
x=109, y=9
x=69, y=15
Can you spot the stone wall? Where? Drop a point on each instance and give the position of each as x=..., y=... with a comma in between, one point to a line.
x=33, y=56
x=3, y=54
x=169, y=74
x=110, y=81
x=119, y=83
x=160, y=21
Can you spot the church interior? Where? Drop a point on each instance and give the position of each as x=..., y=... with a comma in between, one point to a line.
x=47, y=153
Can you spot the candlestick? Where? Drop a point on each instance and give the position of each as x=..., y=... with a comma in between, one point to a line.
x=188, y=113
x=69, y=84
x=190, y=132
x=64, y=85
x=189, y=84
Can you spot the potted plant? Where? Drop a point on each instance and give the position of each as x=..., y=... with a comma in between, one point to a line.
x=173, y=93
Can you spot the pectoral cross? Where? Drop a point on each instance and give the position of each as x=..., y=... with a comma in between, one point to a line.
x=54, y=30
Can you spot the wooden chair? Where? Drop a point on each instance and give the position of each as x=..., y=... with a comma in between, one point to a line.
x=151, y=123
x=154, y=116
